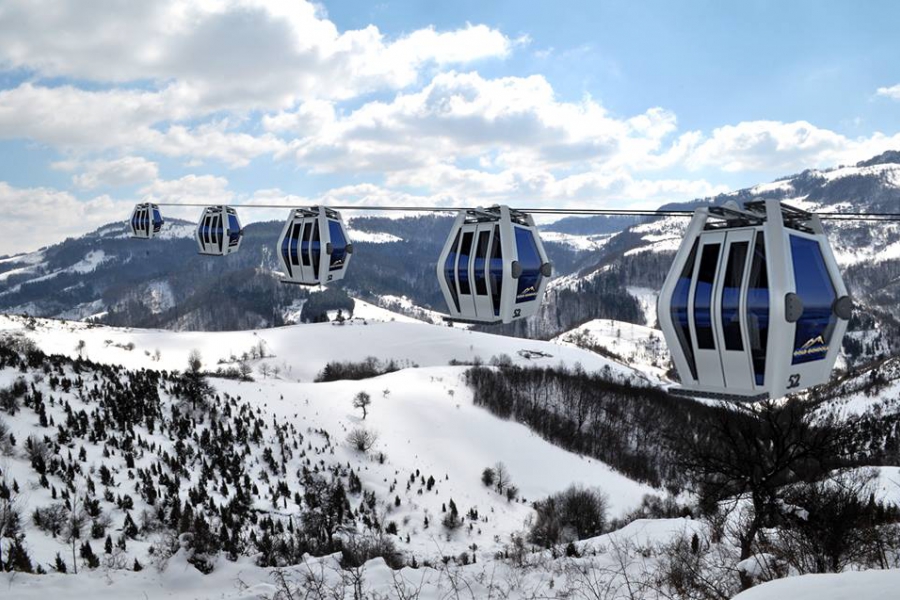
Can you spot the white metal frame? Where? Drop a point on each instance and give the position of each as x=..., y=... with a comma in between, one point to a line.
x=141, y=209
x=303, y=273
x=212, y=244
x=721, y=373
x=479, y=308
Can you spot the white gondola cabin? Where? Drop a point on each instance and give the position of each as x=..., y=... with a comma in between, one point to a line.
x=219, y=231
x=754, y=306
x=493, y=267
x=314, y=247
x=146, y=221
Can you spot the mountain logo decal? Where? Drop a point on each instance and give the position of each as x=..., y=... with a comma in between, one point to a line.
x=813, y=346
x=816, y=341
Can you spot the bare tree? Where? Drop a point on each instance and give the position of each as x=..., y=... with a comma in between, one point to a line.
x=79, y=348
x=76, y=522
x=756, y=451
x=265, y=369
x=9, y=512
x=362, y=439
x=501, y=477
x=362, y=400
x=244, y=369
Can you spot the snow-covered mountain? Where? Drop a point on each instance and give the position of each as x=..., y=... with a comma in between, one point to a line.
x=637, y=259
x=107, y=277
x=103, y=424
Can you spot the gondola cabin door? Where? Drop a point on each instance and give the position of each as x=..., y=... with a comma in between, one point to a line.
x=477, y=270
x=702, y=301
x=730, y=313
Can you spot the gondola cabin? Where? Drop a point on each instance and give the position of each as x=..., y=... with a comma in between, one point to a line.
x=754, y=306
x=146, y=221
x=219, y=231
x=493, y=268
x=314, y=247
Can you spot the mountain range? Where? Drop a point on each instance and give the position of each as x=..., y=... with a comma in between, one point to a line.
x=604, y=267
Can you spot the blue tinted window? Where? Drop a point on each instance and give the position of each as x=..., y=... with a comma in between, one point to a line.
x=295, y=243
x=450, y=269
x=758, y=309
x=530, y=261
x=679, y=310
x=157, y=220
x=814, y=286
x=304, y=243
x=496, y=271
x=234, y=230
x=706, y=275
x=285, y=249
x=316, y=248
x=462, y=269
x=338, y=245
x=731, y=296
x=481, y=263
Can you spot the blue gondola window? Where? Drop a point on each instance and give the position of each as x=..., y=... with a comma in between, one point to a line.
x=530, y=261
x=496, y=270
x=731, y=296
x=157, y=220
x=285, y=245
x=462, y=269
x=305, y=242
x=450, y=269
x=680, y=310
x=706, y=275
x=484, y=238
x=295, y=242
x=234, y=230
x=338, y=245
x=758, y=309
x=316, y=248
x=815, y=288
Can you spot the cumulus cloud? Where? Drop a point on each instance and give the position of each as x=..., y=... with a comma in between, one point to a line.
x=30, y=214
x=462, y=115
x=128, y=170
x=541, y=188
x=775, y=145
x=229, y=53
x=892, y=92
x=74, y=119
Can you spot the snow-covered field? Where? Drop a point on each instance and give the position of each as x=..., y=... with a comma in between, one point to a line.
x=639, y=347
x=303, y=350
x=423, y=414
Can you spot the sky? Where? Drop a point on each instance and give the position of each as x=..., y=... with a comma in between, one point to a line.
x=604, y=104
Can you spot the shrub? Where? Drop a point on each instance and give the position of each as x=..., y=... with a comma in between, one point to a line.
x=574, y=514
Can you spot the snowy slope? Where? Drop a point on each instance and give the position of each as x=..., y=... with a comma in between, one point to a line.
x=874, y=585
x=303, y=349
x=425, y=417
x=640, y=347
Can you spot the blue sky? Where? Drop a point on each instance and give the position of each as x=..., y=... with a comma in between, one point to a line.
x=612, y=104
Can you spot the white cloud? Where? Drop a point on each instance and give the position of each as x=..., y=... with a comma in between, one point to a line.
x=541, y=188
x=462, y=115
x=892, y=92
x=73, y=119
x=124, y=171
x=34, y=217
x=777, y=146
x=229, y=53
